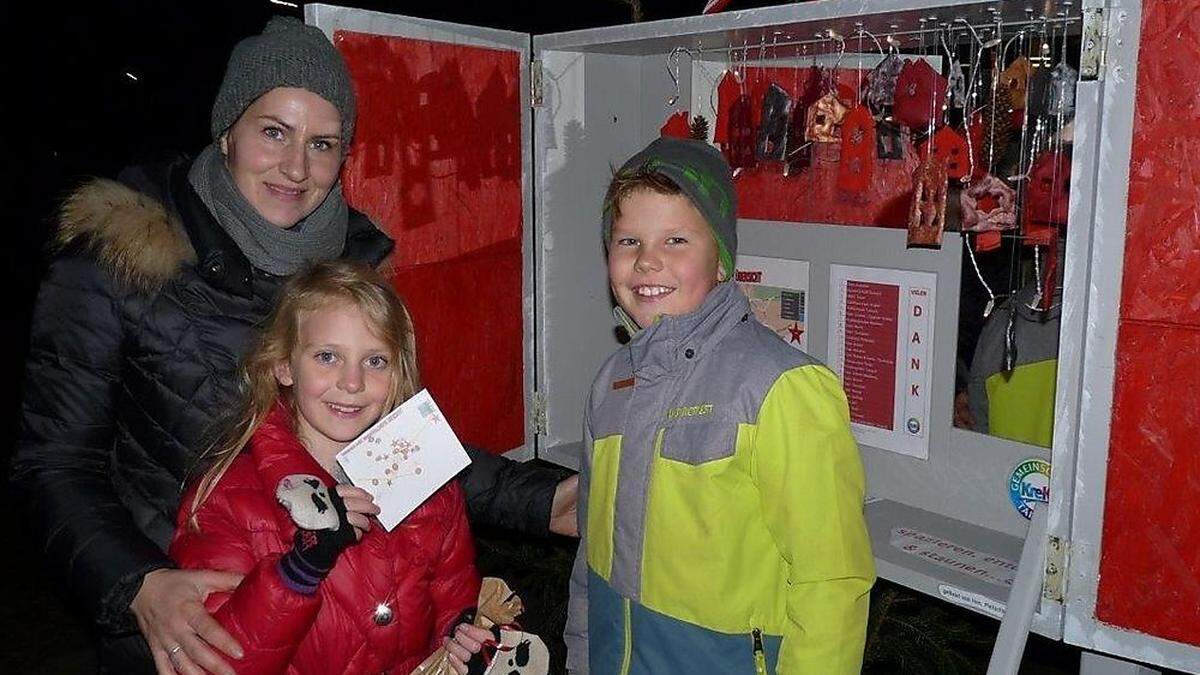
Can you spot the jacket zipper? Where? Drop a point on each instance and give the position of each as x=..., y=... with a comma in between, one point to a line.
x=628, y=639
x=760, y=658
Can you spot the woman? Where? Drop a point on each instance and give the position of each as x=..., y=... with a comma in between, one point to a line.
x=139, y=327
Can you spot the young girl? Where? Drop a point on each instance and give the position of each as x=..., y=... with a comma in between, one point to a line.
x=326, y=590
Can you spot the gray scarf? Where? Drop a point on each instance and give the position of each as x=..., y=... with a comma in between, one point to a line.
x=319, y=236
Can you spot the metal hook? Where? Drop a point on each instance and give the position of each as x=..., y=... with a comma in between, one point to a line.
x=674, y=57
x=863, y=31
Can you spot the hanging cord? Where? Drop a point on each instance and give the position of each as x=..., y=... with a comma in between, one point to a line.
x=991, y=303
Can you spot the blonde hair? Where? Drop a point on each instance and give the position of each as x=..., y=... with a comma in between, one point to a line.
x=315, y=287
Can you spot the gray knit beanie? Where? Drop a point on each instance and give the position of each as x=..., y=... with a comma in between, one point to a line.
x=287, y=54
x=702, y=173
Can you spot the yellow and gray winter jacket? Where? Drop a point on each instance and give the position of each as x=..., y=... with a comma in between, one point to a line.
x=1017, y=404
x=720, y=507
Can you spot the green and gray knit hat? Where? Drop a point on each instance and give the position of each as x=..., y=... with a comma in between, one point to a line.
x=286, y=54
x=702, y=173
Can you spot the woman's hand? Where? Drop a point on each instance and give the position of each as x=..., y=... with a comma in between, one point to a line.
x=468, y=639
x=562, y=509
x=182, y=634
x=360, y=507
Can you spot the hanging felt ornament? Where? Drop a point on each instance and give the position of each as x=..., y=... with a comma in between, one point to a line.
x=676, y=125
x=800, y=151
x=740, y=151
x=956, y=84
x=772, y=129
x=889, y=141
x=824, y=119
x=728, y=91
x=927, y=213
x=1016, y=79
x=881, y=83
x=993, y=129
x=988, y=205
x=951, y=148
x=1062, y=90
x=858, y=151
x=1049, y=192
x=920, y=95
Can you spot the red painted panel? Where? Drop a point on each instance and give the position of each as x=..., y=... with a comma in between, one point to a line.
x=1150, y=551
x=436, y=162
x=812, y=195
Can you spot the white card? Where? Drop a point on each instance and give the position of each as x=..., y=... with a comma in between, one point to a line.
x=404, y=458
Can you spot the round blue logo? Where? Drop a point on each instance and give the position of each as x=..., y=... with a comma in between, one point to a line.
x=1029, y=484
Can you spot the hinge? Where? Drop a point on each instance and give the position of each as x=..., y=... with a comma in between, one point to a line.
x=1095, y=36
x=1056, y=569
x=535, y=83
x=539, y=413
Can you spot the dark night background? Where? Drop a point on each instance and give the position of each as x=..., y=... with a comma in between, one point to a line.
x=73, y=112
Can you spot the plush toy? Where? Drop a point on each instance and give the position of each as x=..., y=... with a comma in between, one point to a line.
x=307, y=500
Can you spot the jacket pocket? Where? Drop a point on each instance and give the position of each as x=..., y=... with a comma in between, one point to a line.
x=699, y=440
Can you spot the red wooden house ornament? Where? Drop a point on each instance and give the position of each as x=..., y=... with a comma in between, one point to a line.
x=858, y=151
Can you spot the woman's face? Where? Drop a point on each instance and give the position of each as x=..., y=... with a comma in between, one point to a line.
x=285, y=153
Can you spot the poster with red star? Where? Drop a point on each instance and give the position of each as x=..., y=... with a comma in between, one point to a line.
x=404, y=458
x=778, y=293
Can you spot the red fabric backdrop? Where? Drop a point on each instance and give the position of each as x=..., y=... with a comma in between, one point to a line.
x=1150, y=552
x=436, y=162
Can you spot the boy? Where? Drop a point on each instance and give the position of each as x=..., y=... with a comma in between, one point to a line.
x=721, y=494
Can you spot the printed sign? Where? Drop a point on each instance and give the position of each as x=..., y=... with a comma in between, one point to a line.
x=778, y=293
x=942, y=552
x=404, y=458
x=1029, y=484
x=880, y=338
x=975, y=601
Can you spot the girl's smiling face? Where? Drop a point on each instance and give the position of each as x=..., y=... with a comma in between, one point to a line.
x=662, y=257
x=340, y=375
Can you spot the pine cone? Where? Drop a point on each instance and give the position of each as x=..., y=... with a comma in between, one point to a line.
x=699, y=129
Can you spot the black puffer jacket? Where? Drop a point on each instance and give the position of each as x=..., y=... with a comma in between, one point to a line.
x=135, y=341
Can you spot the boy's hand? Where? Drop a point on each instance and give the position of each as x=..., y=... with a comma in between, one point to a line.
x=468, y=639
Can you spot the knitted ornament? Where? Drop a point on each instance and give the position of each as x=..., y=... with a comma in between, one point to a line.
x=858, y=151
x=951, y=148
x=1016, y=79
x=800, y=151
x=881, y=83
x=927, y=213
x=988, y=205
x=823, y=122
x=740, y=151
x=1062, y=90
x=772, y=129
x=1049, y=193
x=920, y=95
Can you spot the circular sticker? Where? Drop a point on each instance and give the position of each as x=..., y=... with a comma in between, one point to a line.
x=1029, y=484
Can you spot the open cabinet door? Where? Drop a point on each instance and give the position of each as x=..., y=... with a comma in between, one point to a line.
x=439, y=162
x=1134, y=586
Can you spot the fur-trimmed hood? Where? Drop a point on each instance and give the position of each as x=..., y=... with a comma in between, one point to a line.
x=133, y=235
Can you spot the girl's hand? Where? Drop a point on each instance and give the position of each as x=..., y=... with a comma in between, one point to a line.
x=467, y=641
x=360, y=507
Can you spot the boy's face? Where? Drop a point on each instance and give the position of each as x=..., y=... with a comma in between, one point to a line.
x=662, y=259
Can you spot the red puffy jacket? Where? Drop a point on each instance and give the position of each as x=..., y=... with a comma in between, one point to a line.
x=382, y=609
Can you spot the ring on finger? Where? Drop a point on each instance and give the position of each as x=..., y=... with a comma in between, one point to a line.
x=174, y=651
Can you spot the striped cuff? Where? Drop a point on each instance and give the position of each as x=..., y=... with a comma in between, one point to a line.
x=298, y=575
